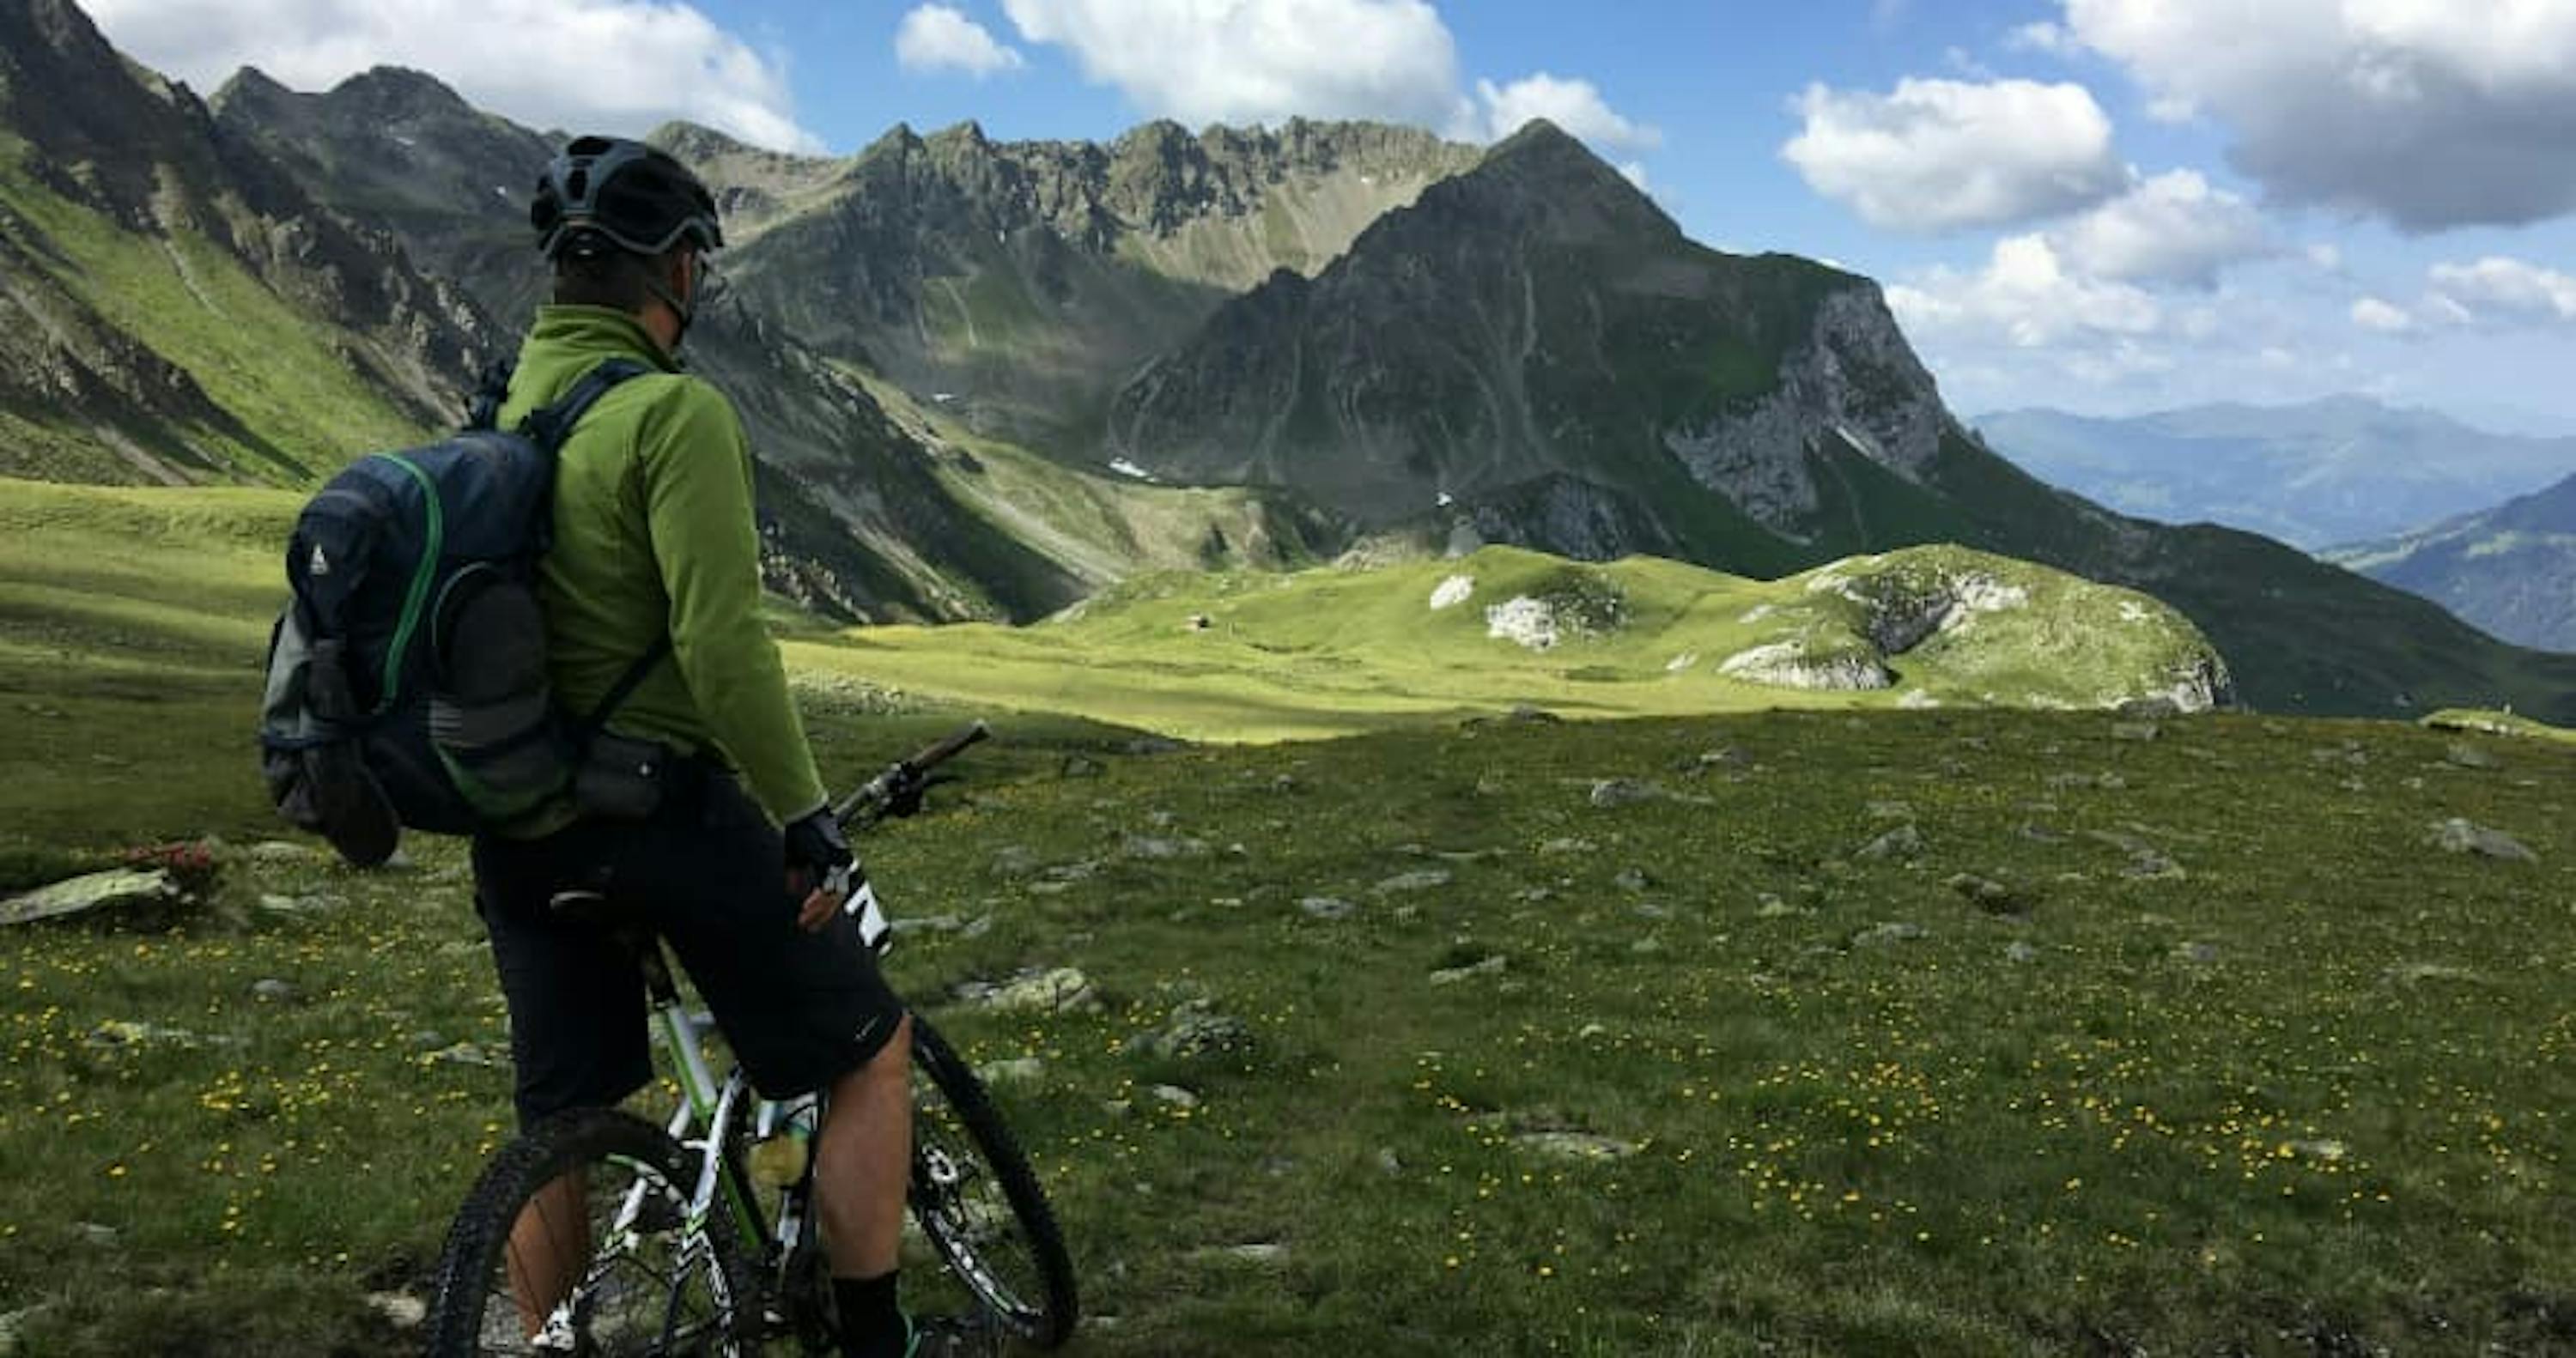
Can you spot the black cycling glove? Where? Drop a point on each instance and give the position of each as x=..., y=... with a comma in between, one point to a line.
x=815, y=846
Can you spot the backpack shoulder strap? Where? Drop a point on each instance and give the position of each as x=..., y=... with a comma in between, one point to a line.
x=550, y=426
x=490, y=395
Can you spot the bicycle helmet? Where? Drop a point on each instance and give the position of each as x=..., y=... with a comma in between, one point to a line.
x=606, y=191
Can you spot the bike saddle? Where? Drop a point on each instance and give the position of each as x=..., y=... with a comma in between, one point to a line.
x=585, y=906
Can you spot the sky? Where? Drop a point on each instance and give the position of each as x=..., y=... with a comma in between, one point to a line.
x=2107, y=206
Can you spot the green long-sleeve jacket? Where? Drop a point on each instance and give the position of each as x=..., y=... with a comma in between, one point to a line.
x=653, y=529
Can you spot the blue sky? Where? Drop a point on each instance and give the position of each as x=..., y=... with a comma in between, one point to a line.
x=2102, y=205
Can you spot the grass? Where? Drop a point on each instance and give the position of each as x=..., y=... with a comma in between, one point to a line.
x=2505, y=723
x=2232, y=1059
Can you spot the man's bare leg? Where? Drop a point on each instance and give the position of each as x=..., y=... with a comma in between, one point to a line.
x=549, y=1245
x=863, y=1165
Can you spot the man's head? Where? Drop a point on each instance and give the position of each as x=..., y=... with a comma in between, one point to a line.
x=626, y=227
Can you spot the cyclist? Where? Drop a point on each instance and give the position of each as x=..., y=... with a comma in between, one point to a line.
x=654, y=538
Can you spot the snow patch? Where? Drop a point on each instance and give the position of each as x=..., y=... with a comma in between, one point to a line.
x=1126, y=468
x=1453, y=591
x=1523, y=620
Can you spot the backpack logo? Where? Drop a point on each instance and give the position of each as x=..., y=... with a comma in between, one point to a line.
x=320, y=564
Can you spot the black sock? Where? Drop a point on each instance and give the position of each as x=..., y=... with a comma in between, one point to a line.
x=872, y=1324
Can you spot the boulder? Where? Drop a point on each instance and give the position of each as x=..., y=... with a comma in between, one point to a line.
x=122, y=893
x=2457, y=835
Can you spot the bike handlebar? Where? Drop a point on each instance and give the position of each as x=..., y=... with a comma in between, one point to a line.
x=882, y=789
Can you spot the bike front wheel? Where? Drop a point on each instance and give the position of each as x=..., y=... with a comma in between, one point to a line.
x=976, y=1199
x=578, y=1240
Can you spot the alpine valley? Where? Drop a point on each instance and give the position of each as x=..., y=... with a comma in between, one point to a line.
x=985, y=380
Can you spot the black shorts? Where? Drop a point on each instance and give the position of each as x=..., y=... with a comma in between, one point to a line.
x=799, y=1010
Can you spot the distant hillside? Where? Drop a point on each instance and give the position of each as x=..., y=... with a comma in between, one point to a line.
x=177, y=309
x=2510, y=570
x=2341, y=470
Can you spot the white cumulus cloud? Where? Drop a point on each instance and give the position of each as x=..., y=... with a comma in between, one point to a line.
x=2173, y=228
x=942, y=38
x=589, y=65
x=1574, y=105
x=2370, y=313
x=1259, y=61
x=1942, y=155
x=2501, y=287
x=2026, y=298
x=2427, y=113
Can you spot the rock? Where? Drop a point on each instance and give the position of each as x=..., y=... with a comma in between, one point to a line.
x=13, y=1325
x=1890, y=811
x=1879, y=935
x=1196, y=1029
x=1155, y=847
x=2416, y=973
x=1525, y=714
x=1261, y=1253
x=2468, y=756
x=1491, y=966
x=2020, y=953
x=1063, y=990
x=144, y=894
x=273, y=991
x=2198, y=954
x=1175, y=1096
x=1989, y=895
x=2135, y=730
x=1154, y=745
x=1593, y=1030
x=129, y=1033
x=2039, y=834
x=2111, y=782
x=92, y=1233
x=1014, y=860
x=1565, y=846
x=1423, y=880
x=2457, y=835
x=1611, y=793
x=1326, y=907
x=1388, y=1162
x=400, y=1310
x=1577, y=1145
x=1773, y=907
x=1080, y=766
x=1646, y=947
x=1903, y=842
x=281, y=851
x=931, y=924
x=1632, y=879
x=1018, y=1070
x=468, y=1054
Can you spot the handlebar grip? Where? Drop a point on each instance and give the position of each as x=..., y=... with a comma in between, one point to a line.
x=949, y=747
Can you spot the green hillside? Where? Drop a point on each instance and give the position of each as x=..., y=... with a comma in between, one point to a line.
x=1255, y=655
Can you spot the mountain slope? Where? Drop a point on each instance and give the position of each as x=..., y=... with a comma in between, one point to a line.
x=2511, y=570
x=174, y=307
x=1020, y=281
x=858, y=522
x=2340, y=470
x=1536, y=341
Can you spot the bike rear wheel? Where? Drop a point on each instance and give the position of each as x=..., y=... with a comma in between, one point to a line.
x=975, y=1198
x=599, y=1201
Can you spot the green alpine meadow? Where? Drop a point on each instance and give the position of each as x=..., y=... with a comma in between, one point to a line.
x=1547, y=795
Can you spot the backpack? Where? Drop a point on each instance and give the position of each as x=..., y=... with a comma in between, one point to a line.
x=407, y=675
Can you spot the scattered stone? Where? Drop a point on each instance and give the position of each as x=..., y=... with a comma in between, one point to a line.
x=1388, y=1162
x=1080, y=766
x=1261, y=1253
x=1564, y=846
x=1775, y=908
x=1899, y=931
x=12, y=1327
x=1903, y=842
x=2135, y=730
x=1989, y=895
x=1157, y=847
x=1632, y=879
x=1526, y=714
x=400, y=1310
x=282, y=851
x=1063, y=990
x=1649, y=910
x=1612, y=793
x=1196, y=1029
x=1018, y=1070
x=1646, y=947
x=141, y=894
x=935, y=924
x=1154, y=745
x=1890, y=811
x=1425, y=879
x=1577, y=1145
x=1176, y=1096
x=129, y=1033
x=1326, y=907
x=2111, y=782
x=1284, y=783
x=2457, y=835
x=93, y=1233
x=1014, y=860
x=2198, y=954
x=467, y=1054
x=2020, y=953
x=1491, y=966
x=273, y=991
x=2416, y=973
x=2040, y=834
x=1593, y=1030
x=426, y=1040
x=2468, y=756
x=2154, y=865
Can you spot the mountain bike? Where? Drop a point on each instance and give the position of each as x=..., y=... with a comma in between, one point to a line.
x=698, y=1236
